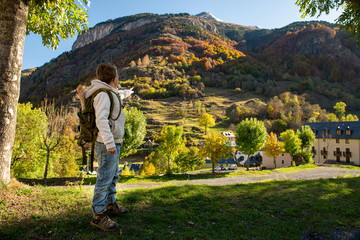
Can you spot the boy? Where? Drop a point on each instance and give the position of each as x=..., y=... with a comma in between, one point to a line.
x=107, y=145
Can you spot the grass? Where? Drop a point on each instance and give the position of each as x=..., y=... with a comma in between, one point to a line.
x=183, y=177
x=353, y=167
x=166, y=111
x=270, y=210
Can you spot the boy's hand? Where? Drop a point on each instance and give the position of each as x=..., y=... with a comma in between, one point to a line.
x=111, y=151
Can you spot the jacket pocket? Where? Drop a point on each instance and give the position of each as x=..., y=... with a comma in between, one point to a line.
x=115, y=129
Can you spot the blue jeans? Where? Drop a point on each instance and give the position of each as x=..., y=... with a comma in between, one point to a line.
x=107, y=176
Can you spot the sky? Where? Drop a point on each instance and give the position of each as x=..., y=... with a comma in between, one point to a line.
x=267, y=14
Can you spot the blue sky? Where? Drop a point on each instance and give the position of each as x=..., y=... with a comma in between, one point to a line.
x=264, y=13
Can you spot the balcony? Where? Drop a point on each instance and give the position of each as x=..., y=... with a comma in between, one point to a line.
x=313, y=151
x=337, y=154
x=324, y=152
x=347, y=154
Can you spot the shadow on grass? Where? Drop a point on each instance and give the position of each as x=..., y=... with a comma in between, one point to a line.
x=91, y=179
x=271, y=210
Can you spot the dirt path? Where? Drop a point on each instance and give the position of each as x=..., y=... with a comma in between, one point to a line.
x=308, y=174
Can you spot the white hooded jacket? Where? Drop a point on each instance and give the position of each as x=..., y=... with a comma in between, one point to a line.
x=110, y=132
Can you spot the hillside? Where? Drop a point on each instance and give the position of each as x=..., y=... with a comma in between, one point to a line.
x=180, y=56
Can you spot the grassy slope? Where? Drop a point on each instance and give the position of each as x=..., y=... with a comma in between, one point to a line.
x=216, y=101
x=270, y=210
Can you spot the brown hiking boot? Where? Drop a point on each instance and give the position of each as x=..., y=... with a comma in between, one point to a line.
x=115, y=209
x=102, y=221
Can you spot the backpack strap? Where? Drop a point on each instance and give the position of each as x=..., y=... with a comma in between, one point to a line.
x=109, y=91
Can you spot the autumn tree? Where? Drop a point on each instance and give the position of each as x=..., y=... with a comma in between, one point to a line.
x=273, y=147
x=332, y=117
x=52, y=19
x=215, y=148
x=64, y=164
x=206, y=120
x=197, y=106
x=348, y=20
x=171, y=138
x=147, y=168
x=189, y=159
x=53, y=131
x=250, y=137
x=340, y=109
x=146, y=60
x=26, y=158
x=349, y=118
x=126, y=171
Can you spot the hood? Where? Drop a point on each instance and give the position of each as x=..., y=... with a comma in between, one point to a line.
x=95, y=85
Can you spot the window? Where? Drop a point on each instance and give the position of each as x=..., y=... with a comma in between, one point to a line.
x=325, y=132
x=347, y=141
x=282, y=154
x=348, y=131
x=337, y=140
x=338, y=131
x=283, y=162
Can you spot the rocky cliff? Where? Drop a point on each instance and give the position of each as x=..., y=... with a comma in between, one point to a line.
x=126, y=24
x=103, y=29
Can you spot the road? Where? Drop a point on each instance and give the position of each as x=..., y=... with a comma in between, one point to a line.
x=307, y=174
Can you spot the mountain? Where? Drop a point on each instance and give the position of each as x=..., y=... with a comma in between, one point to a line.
x=208, y=16
x=177, y=55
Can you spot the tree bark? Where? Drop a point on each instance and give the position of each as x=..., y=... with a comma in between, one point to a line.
x=13, y=17
x=47, y=162
x=248, y=163
x=275, y=162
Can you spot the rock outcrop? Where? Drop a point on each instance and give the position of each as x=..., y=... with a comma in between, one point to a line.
x=103, y=29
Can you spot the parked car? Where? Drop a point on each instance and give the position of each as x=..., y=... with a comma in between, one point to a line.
x=232, y=167
x=217, y=168
x=223, y=168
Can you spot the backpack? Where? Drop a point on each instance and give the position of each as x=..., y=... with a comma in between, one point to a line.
x=87, y=124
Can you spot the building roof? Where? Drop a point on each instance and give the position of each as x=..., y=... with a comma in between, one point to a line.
x=228, y=134
x=135, y=167
x=230, y=160
x=253, y=160
x=332, y=127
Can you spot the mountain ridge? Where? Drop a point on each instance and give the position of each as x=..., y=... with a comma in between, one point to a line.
x=179, y=54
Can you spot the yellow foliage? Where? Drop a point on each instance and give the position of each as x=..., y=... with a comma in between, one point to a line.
x=147, y=169
x=273, y=147
x=126, y=171
x=215, y=147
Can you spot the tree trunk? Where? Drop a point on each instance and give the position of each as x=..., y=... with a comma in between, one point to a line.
x=13, y=17
x=168, y=171
x=47, y=162
x=248, y=163
x=275, y=162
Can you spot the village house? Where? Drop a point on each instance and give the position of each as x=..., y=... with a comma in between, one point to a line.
x=336, y=142
x=283, y=160
x=148, y=144
x=231, y=138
